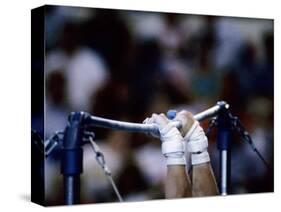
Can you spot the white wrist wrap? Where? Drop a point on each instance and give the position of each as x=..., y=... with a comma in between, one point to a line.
x=172, y=145
x=197, y=144
x=200, y=158
x=196, y=139
x=178, y=160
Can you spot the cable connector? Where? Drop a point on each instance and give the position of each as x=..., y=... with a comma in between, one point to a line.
x=101, y=161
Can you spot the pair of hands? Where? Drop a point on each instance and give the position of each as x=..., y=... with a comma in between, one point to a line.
x=184, y=117
x=174, y=141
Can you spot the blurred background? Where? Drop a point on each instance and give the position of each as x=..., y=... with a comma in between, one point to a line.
x=126, y=65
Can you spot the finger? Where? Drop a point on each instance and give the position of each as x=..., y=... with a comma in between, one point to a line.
x=184, y=116
x=145, y=121
x=149, y=120
x=160, y=119
x=186, y=119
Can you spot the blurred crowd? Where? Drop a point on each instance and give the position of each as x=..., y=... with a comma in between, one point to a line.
x=126, y=65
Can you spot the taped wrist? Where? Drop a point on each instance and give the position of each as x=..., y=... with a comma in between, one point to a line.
x=197, y=144
x=199, y=158
x=172, y=145
x=196, y=140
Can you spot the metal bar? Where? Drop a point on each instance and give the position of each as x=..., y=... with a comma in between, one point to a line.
x=224, y=125
x=120, y=125
x=72, y=158
x=211, y=111
x=71, y=189
x=223, y=172
x=148, y=128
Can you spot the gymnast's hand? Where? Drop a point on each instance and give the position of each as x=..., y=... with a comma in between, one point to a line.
x=172, y=142
x=194, y=137
x=186, y=119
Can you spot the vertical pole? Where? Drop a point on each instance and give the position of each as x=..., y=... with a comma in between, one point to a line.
x=72, y=158
x=71, y=189
x=223, y=172
x=224, y=142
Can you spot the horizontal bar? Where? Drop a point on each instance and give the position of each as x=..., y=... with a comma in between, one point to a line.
x=211, y=112
x=149, y=128
x=121, y=125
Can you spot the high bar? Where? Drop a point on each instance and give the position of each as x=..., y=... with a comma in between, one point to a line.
x=149, y=128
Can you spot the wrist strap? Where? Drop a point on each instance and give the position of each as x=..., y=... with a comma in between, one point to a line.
x=191, y=130
x=199, y=145
x=172, y=147
x=200, y=158
x=196, y=139
x=178, y=160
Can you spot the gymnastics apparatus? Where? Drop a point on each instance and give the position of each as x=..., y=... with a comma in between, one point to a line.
x=75, y=135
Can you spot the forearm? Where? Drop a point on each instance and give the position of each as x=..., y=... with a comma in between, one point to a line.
x=203, y=180
x=177, y=182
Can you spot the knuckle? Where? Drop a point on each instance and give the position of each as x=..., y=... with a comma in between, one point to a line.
x=154, y=115
x=187, y=113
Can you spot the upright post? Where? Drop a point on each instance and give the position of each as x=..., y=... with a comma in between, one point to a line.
x=224, y=146
x=72, y=158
